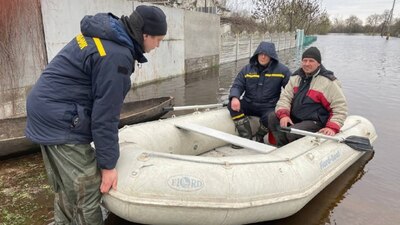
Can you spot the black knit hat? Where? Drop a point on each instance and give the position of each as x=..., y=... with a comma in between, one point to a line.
x=154, y=19
x=313, y=53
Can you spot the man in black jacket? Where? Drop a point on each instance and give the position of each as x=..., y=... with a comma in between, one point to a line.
x=260, y=82
x=78, y=99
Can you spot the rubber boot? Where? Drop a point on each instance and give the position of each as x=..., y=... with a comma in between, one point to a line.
x=244, y=129
x=262, y=131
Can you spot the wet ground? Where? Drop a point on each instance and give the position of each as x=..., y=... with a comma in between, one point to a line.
x=367, y=193
x=25, y=196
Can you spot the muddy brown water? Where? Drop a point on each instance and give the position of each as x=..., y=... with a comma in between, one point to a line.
x=366, y=193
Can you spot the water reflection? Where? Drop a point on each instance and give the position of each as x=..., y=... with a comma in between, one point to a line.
x=318, y=210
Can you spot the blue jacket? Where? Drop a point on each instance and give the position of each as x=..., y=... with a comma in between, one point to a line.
x=261, y=84
x=78, y=97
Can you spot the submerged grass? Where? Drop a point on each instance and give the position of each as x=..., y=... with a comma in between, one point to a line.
x=26, y=197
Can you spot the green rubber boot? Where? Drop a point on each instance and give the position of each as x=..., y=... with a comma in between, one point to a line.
x=244, y=129
x=262, y=131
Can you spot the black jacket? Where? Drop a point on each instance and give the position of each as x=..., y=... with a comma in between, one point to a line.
x=261, y=84
x=79, y=95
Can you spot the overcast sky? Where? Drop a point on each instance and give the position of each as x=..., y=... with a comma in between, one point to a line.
x=360, y=8
x=342, y=9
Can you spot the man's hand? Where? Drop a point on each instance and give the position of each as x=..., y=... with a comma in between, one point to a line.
x=327, y=131
x=235, y=104
x=108, y=180
x=285, y=121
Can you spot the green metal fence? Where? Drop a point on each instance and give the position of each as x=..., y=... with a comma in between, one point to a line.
x=309, y=39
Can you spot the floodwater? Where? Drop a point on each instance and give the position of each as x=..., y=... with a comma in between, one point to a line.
x=369, y=69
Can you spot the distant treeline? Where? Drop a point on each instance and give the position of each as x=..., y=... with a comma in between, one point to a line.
x=289, y=15
x=374, y=24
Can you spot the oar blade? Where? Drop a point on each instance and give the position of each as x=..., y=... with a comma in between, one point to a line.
x=359, y=143
x=168, y=108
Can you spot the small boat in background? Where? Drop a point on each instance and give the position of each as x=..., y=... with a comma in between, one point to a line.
x=13, y=141
x=144, y=110
x=12, y=137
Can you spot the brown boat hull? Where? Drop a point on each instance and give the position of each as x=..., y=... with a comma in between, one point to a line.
x=145, y=110
x=13, y=141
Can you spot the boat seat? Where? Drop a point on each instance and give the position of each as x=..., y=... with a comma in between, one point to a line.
x=230, y=138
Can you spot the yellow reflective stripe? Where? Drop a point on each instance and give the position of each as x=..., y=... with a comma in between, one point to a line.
x=251, y=75
x=274, y=75
x=99, y=46
x=80, y=39
x=238, y=116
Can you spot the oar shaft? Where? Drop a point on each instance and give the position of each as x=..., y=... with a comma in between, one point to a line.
x=189, y=107
x=307, y=133
x=196, y=107
x=355, y=142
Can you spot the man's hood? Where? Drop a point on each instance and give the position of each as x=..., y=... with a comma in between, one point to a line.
x=267, y=48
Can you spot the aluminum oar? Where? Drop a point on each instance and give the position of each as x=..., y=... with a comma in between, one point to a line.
x=356, y=142
x=196, y=107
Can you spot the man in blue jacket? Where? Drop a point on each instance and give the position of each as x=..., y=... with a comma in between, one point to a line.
x=256, y=90
x=78, y=99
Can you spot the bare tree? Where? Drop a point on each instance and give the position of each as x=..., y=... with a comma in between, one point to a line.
x=354, y=24
x=373, y=22
x=386, y=16
x=322, y=25
x=396, y=27
x=337, y=26
x=302, y=14
x=266, y=10
x=288, y=15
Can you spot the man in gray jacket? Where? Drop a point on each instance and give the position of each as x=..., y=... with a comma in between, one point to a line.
x=313, y=100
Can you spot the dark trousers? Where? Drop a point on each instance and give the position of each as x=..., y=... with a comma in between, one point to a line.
x=75, y=178
x=251, y=109
x=283, y=138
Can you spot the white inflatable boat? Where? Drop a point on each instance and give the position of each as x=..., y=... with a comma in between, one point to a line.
x=182, y=170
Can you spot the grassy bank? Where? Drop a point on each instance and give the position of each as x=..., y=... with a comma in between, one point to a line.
x=26, y=197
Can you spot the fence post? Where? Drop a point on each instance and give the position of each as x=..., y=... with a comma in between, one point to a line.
x=251, y=44
x=237, y=46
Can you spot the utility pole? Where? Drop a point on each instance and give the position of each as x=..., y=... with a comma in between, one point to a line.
x=390, y=21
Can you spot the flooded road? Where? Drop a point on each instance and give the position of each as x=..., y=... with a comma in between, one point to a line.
x=367, y=193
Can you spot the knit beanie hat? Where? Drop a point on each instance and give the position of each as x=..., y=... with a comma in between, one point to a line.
x=313, y=53
x=154, y=19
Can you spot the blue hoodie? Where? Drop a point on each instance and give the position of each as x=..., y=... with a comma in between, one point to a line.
x=79, y=95
x=258, y=83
